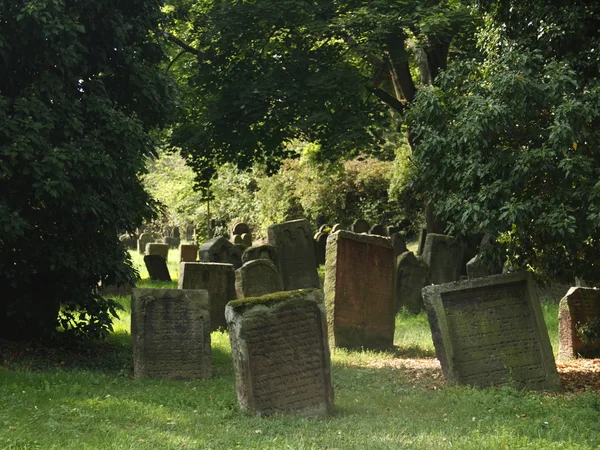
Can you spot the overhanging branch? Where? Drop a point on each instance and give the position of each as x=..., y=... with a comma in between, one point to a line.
x=186, y=47
x=388, y=99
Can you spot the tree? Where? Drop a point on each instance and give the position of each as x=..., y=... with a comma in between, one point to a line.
x=79, y=90
x=259, y=74
x=509, y=147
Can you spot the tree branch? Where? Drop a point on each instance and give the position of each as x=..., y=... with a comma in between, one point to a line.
x=181, y=44
x=388, y=99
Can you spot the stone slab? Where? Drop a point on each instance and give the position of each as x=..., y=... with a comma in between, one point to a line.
x=444, y=256
x=411, y=277
x=261, y=251
x=220, y=250
x=360, y=290
x=491, y=331
x=280, y=353
x=257, y=278
x=360, y=226
x=170, y=331
x=188, y=252
x=158, y=248
x=157, y=268
x=143, y=239
x=576, y=308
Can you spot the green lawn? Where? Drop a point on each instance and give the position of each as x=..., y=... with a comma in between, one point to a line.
x=86, y=398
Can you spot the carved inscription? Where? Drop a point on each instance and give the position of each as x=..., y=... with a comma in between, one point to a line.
x=493, y=335
x=286, y=360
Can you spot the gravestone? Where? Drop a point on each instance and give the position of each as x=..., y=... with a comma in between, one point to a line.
x=129, y=241
x=399, y=243
x=360, y=290
x=412, y=276
x=170, y=331
x=157, y=268
x=296, y=254
x=378, y=230
x=323, y=228
x=421, y=241
x=240, y=228
x=336, y=227
x=237, y=239
x=246, y=239
x=257, y=278
x=220, y=250
x=173, y=242
x=360, y=226
x=280, y=353
x=144, y=239
x=157, y=248
x=491, y=331
x=320, y=245
x=217, y=279
x=188, y=252
x=577, y=308
x=262, y=251
x=476, y=268
x=444, y=256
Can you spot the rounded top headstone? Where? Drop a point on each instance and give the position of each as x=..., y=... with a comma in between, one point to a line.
x=379, y=230
x=240, y=228
x=336, y=227
x=360, y=226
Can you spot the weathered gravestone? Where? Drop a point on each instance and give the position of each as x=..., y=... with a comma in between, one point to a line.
x=296, y=253
x=188, y=252
x=143, y=239
x=280, y=353
x=578, y=310
x=172, y=242
x=444, y=256
x=257, y=278
x=421, y=241
x=399, y=243
x=360, y=290
x=128, y=240
x=157, y=267
x=262, y=251
x=476, y=268
x=360, y=226
x=216, y=278
x=491, y=331
x=336, y=227
x=320, y=245
x=220, y=250
x=378, y=230
x=247, y=239
x=323, y=228
x=170, y=330
x=240, y=228
x=412, y=276
x=157, y=248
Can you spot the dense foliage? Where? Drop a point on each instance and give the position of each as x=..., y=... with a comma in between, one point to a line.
x=79, y=89
x=510, y=146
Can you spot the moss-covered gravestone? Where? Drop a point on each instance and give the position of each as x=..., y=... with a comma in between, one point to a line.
x=296, y=254
x=579, y=324
x=280, y=353
x=444, y=256
x=490, y=331
x=170, y=330
x=215, y=278
x=158, y=248
x=360, y=290
x=188, y=252
x=220, y=250
x=257, y=278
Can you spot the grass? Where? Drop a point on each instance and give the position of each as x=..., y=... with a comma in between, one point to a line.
x=87, y=399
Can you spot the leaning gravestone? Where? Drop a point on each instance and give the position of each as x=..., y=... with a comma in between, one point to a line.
x=262, y=251
x=144, y=239
x=170, y=330
x=296, y=253
x=320, y=245
x=443, y=254
x=412, y=277
x=157, y=248
x=157, y=268
x=491, y=331
x=216, y=278
x=188, y=252
x=257, y=278
x=220, y=250
x=581, y=306
x=360, y=226
x=360, y=290
x=280, y=353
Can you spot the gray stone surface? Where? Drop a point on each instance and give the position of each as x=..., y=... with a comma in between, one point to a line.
x=491, y=331
x=444, y=257
x=257, y=278
x=143, y=239
x=170, y=331
x=158, y=248
x=217, y=279
x=188, y=252
x=320, y=246
x=360, y=226
x=379, y=230
x=576, y=308
x=399, y=243
x=296, y=253
x=412, y=276
x=360, y=290
x=280, y=353
x=157, y=268
x=220, y=250
x=240, y=228
x=421, y=242
x=476, y=268
x=261, y=251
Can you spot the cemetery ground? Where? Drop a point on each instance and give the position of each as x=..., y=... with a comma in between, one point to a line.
x=85, y=397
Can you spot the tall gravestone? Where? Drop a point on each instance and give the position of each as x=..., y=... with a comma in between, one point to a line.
x=579, y=307
x=412, y=276
x=399, y=243
x=296, y=253
x=262, y=251
x=257, y=278
x=280, y=353
x=421, y=241
x=188, y=252
x=157, y=268
x=320, y=245
x=491, y=331
x=158, y=248
x=220, y=250
x=143, y=239
x=360, y=290
x=215, y=278
x=360, y=226
x=443, y=254
x=170, y=331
